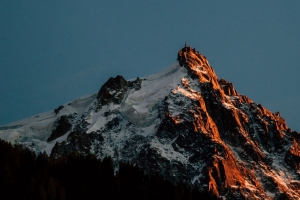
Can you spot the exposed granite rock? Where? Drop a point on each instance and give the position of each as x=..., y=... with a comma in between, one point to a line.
x=136, y=84
x=76, y=141
x=292, y=157
x=113, y=90
x=245, y=129
x=62, y=125
x=56, y=110
x=227, y=87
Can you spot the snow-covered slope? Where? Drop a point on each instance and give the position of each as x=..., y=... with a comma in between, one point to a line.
x=138, y=107
x=182, y=122
x=34, y=131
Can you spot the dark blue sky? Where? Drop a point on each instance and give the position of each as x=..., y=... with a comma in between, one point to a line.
x=52, y=52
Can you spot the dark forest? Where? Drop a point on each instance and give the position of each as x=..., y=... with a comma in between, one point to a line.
x=25, y=175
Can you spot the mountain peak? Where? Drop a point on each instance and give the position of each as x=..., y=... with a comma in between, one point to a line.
x=197, y=64
x=182, y=122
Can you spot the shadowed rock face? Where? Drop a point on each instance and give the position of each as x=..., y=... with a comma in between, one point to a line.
x=202, y=133
x=113, y=90
x=62, y=125
x=292, y=157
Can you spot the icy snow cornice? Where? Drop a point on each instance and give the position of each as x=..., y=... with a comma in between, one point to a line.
x=182, y=122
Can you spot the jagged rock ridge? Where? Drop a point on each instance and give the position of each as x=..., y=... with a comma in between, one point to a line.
x=182, y=122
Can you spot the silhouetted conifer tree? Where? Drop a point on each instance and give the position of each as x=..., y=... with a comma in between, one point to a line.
x=42, y=195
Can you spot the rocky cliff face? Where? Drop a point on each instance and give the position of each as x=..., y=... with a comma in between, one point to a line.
x=253, y=141
x=182, y=122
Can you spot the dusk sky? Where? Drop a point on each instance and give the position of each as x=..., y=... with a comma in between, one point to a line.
x=52, y=52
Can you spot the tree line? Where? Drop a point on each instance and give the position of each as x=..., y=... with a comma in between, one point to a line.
x=25, y=175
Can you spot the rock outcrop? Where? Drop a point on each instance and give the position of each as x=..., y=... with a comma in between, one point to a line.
x=113, y=90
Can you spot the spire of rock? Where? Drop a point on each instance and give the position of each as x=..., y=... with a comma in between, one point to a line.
x=197, y=64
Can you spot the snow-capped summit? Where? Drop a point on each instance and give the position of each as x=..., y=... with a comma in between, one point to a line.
x=182, y=122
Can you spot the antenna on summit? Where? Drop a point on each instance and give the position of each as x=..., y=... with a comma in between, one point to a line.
x=185, y=44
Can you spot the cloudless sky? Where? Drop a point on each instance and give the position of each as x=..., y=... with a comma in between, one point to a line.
x=52, y=52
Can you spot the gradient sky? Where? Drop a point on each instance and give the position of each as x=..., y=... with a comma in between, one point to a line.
x=52, y=52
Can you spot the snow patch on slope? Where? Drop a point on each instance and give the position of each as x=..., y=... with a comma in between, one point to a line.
x=140, y=106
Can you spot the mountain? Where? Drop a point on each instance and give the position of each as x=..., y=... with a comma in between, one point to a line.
x=182, y=122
